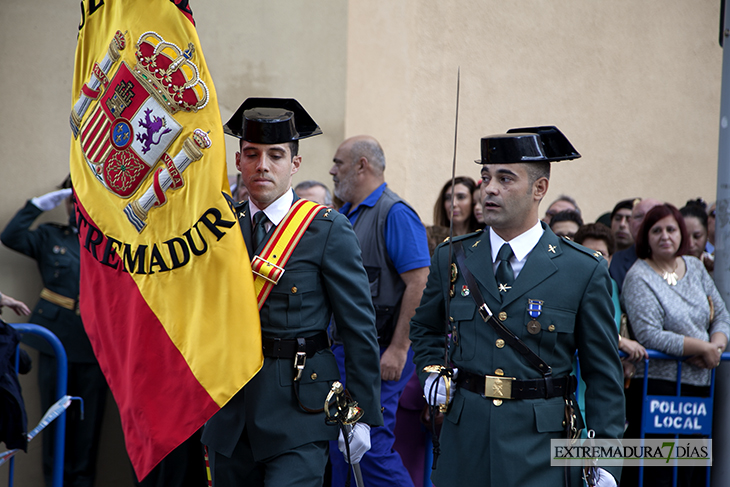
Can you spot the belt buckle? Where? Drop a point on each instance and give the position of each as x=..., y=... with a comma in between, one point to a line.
x=258, y=263
x=498, y=387
x=300, y=360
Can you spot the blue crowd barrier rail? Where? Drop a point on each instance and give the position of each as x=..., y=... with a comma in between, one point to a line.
x=676, y=415
x=61, y=386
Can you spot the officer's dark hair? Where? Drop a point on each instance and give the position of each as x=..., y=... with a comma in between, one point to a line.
x=596, y=231
x=623, y=205
x=66, y=184
x=696, y=208
x=566, y=216
x=439, y=211
x=293, y=147
x=643, y=251
x=537, y=170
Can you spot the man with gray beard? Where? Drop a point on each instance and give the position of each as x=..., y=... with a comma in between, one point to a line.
x=396, y=258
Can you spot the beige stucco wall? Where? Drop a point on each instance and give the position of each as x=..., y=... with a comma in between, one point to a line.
x=634, y=85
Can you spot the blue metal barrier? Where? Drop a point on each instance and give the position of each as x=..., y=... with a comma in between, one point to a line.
x=693, y=415
x=61, y=386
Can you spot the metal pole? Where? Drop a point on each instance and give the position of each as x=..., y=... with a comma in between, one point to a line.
x=61, y=385
x=721, y=426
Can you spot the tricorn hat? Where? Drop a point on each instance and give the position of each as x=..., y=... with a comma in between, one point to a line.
x=528, y=144
x=271, y=121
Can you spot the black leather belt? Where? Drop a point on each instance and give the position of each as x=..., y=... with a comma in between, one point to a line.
x=289, y=347
x=500, y=387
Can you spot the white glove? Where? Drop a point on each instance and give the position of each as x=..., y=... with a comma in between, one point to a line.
x=359, y=442
x=51, y=200
x=440, y=388
x=605, y=479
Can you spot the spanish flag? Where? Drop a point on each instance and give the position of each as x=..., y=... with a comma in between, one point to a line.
x=166, y=295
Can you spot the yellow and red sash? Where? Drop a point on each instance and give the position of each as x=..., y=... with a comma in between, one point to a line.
x=268, y=266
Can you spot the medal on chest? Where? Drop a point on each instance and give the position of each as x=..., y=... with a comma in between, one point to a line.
x=534, y=309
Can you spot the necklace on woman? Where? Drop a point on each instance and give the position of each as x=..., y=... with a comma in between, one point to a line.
x=670, y=276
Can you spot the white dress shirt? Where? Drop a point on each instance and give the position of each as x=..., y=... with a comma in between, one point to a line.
x=276, y=211
x=521, y=245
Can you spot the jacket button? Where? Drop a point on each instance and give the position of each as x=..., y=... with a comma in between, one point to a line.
x=313, y=376
x=497, y=402
x=499, y=372
x=294, y=289
x=502, y=316
x=500, y=343
x=551, y=328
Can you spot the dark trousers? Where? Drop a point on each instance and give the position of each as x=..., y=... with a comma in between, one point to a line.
x=182, y=467
x=658, y=476
x=303, y=466
x=82, y=436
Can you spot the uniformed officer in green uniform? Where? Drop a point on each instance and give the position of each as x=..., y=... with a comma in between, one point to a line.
x=273, y=431
x=553, y=294
x=55, y=249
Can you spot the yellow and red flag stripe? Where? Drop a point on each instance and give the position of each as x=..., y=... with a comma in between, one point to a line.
x=167, y=294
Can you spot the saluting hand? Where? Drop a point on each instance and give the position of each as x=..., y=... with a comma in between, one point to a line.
x=51, y=200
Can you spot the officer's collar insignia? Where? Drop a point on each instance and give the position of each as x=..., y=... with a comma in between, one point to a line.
x=551, y=248
x=454, y=272
x=242, y=214
x=131, y=125
x=503, y=288
x=476, y=243
x=534, y=308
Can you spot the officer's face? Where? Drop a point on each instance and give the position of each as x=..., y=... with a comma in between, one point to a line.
x=266, y=170
x=510, y=199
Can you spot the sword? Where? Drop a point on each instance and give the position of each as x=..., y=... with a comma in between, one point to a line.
x=347, y=414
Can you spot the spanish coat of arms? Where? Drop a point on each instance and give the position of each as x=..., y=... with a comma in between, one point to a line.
x=131, y=126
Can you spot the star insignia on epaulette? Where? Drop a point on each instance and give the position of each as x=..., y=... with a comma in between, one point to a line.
x=551, y=248
x=327, y=212
x=597, y=253
x=476, y=243
x=503, y=288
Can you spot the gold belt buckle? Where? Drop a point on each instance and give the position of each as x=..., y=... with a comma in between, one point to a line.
x=498, y=387
x=265, y=264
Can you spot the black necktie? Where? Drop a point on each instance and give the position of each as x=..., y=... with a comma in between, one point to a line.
x=259, y=229
x=505, y=274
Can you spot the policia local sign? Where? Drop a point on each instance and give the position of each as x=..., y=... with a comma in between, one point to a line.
x=677, y=415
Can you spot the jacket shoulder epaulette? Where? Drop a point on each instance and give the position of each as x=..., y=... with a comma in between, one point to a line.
x=593, y=253
x=459, y=238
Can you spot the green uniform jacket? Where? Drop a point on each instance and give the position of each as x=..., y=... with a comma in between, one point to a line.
x=509, y=444
x=323, y=277
x=56, y=250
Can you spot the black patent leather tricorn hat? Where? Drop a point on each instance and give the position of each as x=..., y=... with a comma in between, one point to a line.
x=271, y=121
x=527, y=144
